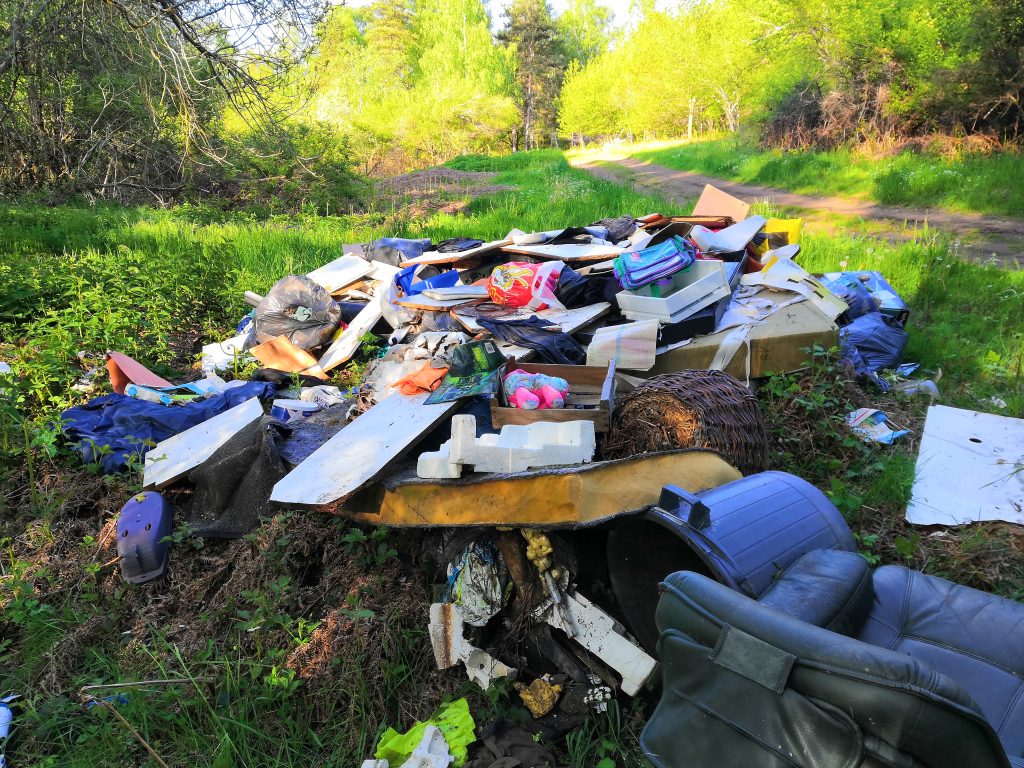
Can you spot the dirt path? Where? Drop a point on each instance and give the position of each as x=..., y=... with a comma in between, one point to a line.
x=981, y=237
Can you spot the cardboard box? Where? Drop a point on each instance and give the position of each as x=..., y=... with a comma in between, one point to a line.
x=589, y=386
x=776, y=345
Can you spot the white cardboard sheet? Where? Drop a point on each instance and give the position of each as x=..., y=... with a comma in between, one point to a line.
x=970, y=468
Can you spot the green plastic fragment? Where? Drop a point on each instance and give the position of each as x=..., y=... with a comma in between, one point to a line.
x=455, y=723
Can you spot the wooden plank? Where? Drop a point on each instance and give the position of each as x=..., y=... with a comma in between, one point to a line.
x=458, y=292
x=340, y=272
x=282, y=355
x=969, y=469
x=176, y=456
x=424, y=302
x=433, y=257
x=570, y=252
x=345, y=346
x=360, y=451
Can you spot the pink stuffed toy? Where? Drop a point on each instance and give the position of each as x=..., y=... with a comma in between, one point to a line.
x=531, y=391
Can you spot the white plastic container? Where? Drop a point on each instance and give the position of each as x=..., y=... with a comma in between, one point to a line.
x=293, y=410
x=698, y=286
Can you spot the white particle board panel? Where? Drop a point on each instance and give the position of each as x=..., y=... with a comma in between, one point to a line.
x=434, y=257
x=568, y=252
x=340, y=272
x=174, y=457
x=970, y=468
x=345, y=346
x=360, y=451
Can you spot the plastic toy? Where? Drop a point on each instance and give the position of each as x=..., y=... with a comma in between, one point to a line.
x=535, y=390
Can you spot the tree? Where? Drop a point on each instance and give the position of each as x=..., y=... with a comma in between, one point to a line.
x=126, y=94
x=583, y=29
x=532, y=35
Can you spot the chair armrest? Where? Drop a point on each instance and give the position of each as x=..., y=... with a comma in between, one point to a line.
x=827, y=588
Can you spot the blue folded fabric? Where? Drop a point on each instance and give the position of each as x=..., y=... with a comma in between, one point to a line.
x=131, y=427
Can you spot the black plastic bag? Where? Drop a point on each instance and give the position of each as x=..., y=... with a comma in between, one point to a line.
x=300, y=309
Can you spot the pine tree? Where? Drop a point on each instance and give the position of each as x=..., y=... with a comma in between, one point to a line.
x=540, y=59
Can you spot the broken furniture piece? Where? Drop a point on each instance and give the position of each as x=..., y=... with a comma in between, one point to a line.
x=838, y=665
x=450, y=647
x=600, y=634
x=515, y=449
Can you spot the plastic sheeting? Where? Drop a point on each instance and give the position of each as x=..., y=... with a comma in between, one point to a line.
x=109, y=430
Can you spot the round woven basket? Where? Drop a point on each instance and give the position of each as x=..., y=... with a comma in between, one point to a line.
x=691, y=409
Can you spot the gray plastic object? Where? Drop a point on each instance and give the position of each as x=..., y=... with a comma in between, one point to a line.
x=143, y=523
x=742, y=534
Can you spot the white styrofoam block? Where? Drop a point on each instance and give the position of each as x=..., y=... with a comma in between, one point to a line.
x=435, y=464
x=519, y=447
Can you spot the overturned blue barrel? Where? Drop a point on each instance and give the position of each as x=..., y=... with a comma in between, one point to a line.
x=743, y=534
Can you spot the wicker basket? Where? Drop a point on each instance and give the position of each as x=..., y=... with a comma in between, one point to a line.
x=691, y=409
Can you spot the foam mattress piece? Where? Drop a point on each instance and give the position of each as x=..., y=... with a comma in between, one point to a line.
x=557, y=497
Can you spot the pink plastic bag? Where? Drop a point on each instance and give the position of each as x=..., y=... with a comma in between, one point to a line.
x=518, y=284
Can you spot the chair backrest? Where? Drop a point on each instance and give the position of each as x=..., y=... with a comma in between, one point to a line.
x=747, y=685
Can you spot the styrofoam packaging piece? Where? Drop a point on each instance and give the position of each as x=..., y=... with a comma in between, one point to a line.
x=701, y=284
x=516, y=448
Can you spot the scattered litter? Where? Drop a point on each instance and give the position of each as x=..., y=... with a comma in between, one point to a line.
x=919, y=387
x=632, y=346
x=446, y=632
x=995, y=402
x=906, y=369
x=293, y=410
x=871, y=425
x=540, y=696
x=6, y=718
x=477, y=581
x=454, y=722
x=125, y=370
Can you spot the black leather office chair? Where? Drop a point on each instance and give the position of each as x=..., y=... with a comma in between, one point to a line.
x=838, y=666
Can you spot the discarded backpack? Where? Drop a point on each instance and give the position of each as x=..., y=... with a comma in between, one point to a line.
x=639, y=268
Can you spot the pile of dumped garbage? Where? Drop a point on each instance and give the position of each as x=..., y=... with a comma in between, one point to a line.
x=529, y=392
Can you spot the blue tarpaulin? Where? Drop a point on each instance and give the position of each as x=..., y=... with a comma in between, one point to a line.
x=127, y=426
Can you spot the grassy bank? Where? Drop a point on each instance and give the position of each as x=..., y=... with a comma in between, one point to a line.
x=987, y=183
x=298, y=644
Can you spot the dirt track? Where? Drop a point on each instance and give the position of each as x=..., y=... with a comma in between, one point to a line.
x=981, y=237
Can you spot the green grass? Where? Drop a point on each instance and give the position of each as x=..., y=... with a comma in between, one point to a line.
x=152, y=283
x=987, y=183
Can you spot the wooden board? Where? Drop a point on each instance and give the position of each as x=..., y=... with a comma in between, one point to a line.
x=360, y=451
x=458, y=292
x=433, y=257
x=552, y=497
x=340, y=272
x=176, y=456
x=282, y=355
x=970, y=468
x=420, y=301
x=715, y=202
x=345, y=346
x=588, y=252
